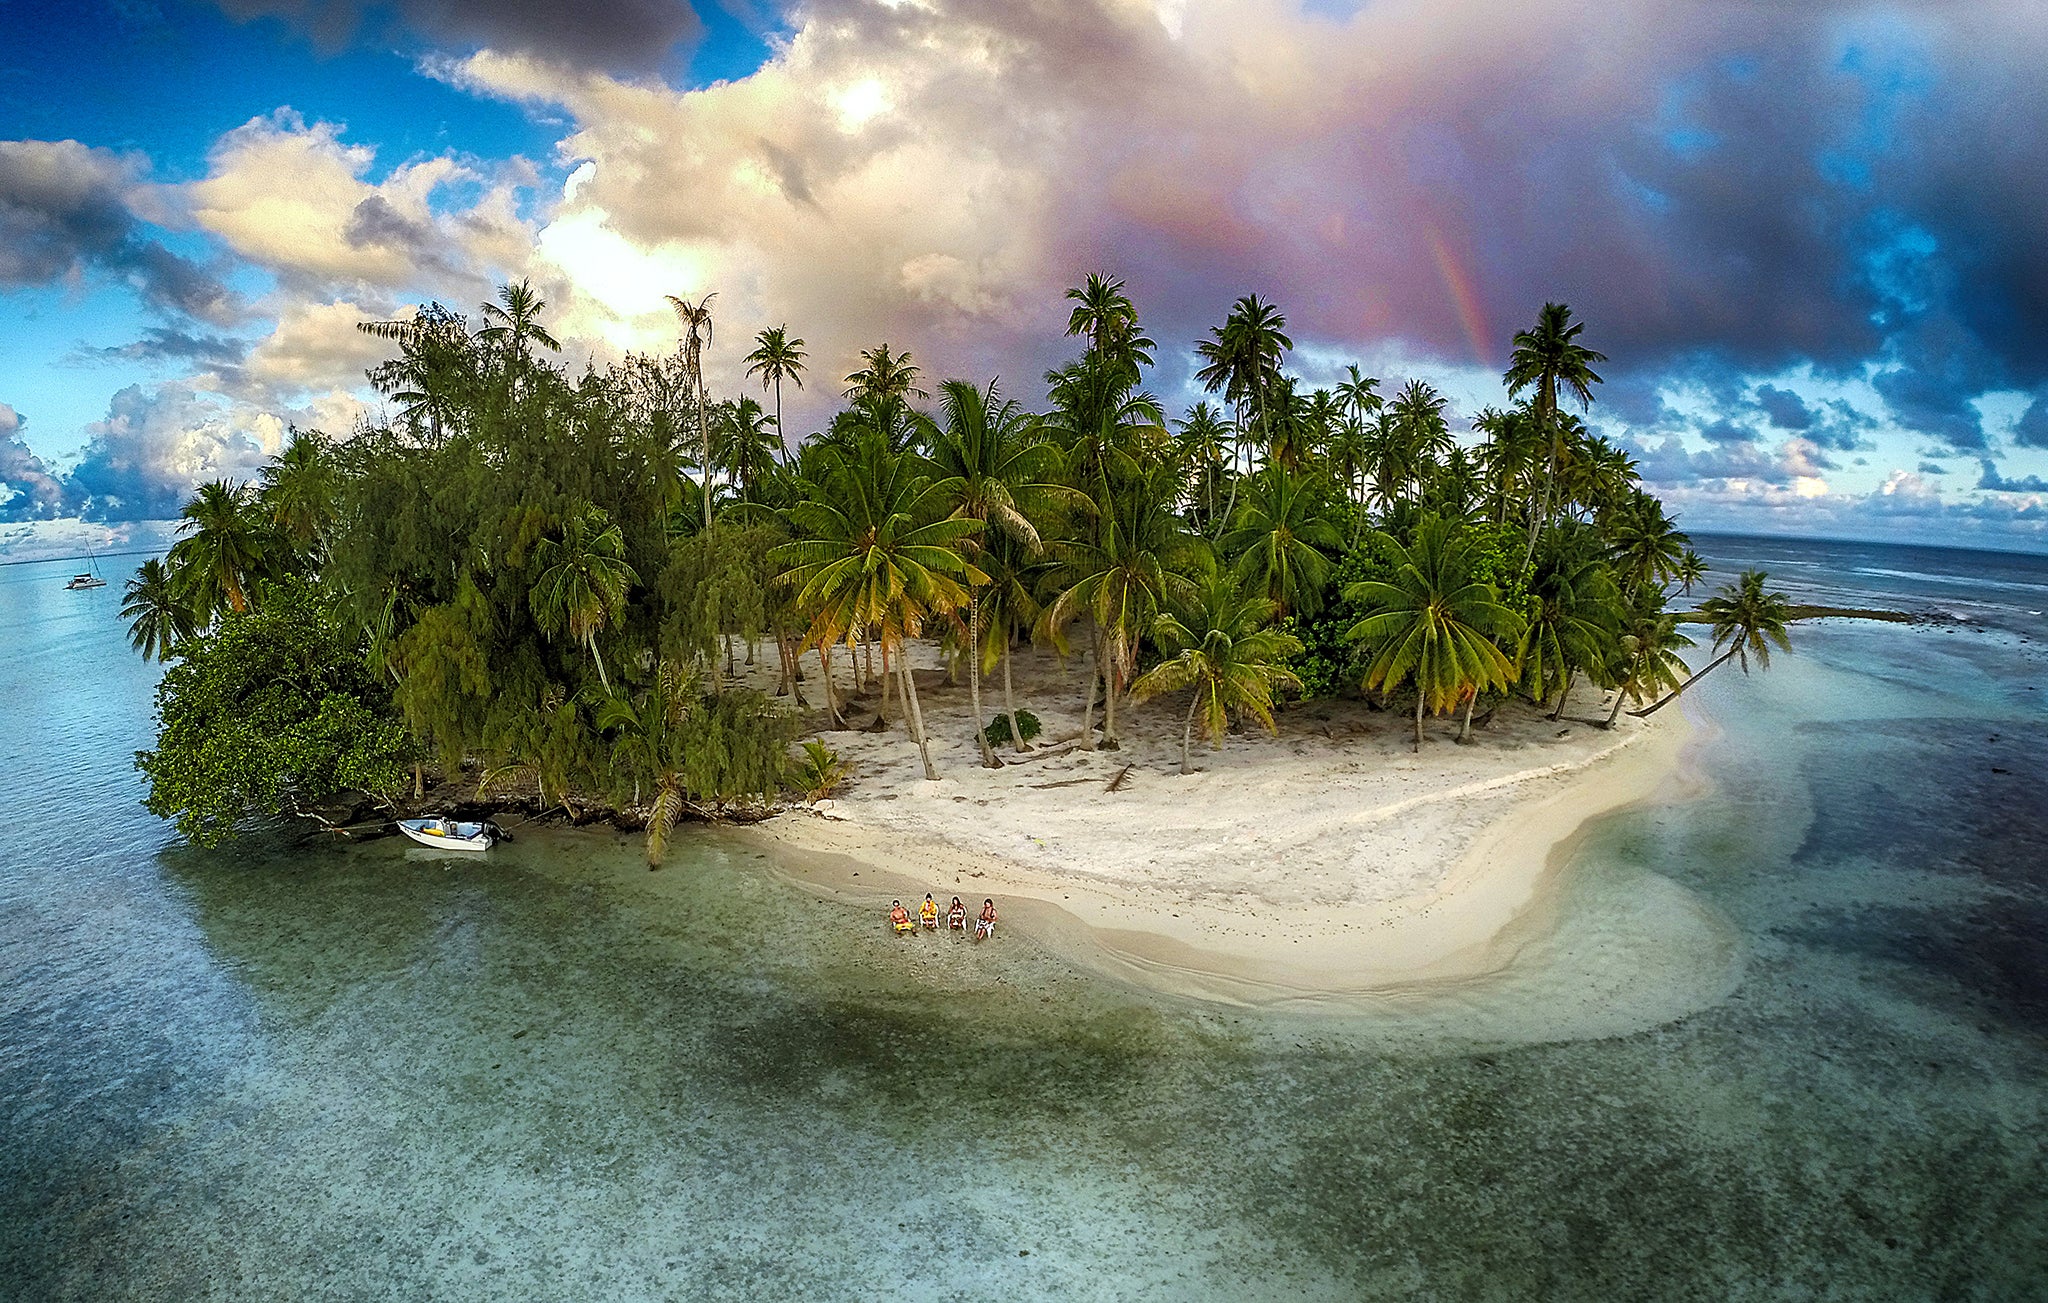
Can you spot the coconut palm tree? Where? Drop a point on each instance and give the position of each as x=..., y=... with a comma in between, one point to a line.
x=514, y=323
x=1433, y=624
x=1549, y=357
x=434, y=375
x=1748, y=621
x=1008, y=605
x=1200, y=440
x=1420, y=437
x=1218, y=644
x=877, y=556
x=648, y=746
x=1509, y=453
x=988, y=465
x=1650, y=663
x=1280, y=539
x=227, y=545
x=1574, y=612
x=1690, y=572
x=159, y=617
x=583, y=581
x=1242, y=358
x=1645, y=547
x=889, y=380
x=745, y=448
x=696, y=322
x=300, y=490
x=1105, y=316
x=777, y=357
x=1120, y=573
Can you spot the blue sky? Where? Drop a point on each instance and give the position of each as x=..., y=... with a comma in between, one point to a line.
x=1811, y=240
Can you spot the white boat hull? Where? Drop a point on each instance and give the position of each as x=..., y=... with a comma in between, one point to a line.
x=447, y=835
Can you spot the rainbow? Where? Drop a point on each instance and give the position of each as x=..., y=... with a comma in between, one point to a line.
x=1464, y=297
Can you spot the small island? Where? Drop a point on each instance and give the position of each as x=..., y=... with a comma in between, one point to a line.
x=1293, y=696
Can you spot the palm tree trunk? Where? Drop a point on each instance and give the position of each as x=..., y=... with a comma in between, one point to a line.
x=590, y=640
x=1726, y=656
x=1620, y=695
x=882, y=707
x=1465, y=729
x=1010, y=696
x=825, y=676
x=1109, y=737
x=1187, y=730
x=915, y=713
x=704, y=442
x=780, y=436
x=1418, y=719
x=1562, y=696
x=988, y=755
x=1088, y=710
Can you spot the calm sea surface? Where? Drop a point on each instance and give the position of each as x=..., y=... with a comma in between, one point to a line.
x=295, y=1070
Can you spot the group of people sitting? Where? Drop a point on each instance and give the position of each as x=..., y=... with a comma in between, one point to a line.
x=956, y=917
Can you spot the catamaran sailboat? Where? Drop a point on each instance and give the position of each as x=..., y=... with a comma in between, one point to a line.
x=91, y=578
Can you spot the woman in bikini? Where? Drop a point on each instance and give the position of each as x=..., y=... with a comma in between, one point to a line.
x=986, y=927
x=899, y=917
x=956, y=916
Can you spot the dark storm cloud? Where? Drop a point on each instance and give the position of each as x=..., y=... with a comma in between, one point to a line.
x=28, y=491
x=374, y=222
x=1933, y=468
x=2032, y=429
x=619, y=36
x=1783, y=408
x=1726, y=432
x=162, y=344
x=1997, y=483
x=64, y=208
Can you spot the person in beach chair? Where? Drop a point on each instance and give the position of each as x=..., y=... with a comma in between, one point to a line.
x=928, y=913
x=986, y=925
x=899, y=917
x=956, y=916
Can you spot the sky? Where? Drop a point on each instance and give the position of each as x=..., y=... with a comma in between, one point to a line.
x=1810, y=236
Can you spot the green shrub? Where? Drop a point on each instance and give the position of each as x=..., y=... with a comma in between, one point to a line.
x=998, y=731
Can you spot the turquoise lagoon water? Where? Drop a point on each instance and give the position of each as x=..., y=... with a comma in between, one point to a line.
x=296, y=1070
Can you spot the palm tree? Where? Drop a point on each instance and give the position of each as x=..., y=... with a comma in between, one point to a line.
x=1008, y=604
x=1280, y=538
x=227, y=545
x=1219, y=645
x=886, y=383
x=1202, y=434
x=746, y=447
x=650, y=747
x=1434, y=624
x=1121, y=574
x=1508, y=456
x=1549, y=357
x=160, y=618
x=1574, y=610
x=1242, y=358
x=1650, y=663
x=299, y=490
x=1745, y=619
x=988, y=466
x=1107, y=318
x=877, y=557
x=775, y=358
x=1690, y=572
x=434, y=374
x=696, y=321
x=1420, y=437
x=583, y=581
x=1646, y=547
x=515, y=322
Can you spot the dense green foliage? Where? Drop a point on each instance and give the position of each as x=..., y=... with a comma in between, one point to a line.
x=549, y=576
x=272, y=710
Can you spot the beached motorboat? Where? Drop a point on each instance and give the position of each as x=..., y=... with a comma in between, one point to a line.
x=448, y=835
x=86, y=581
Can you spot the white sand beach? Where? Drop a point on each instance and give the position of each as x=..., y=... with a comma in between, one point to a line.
x=1331, y=861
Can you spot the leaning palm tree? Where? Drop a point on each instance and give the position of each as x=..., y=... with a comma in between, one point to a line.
x=158, y=614
x=583, y=581
x=1433, y=624
x=228, y=544
x=1549, y=357
x=1747, y=621
x=876, y=557
x=1650, y=661
x=696, y=321
x=776, y=358
x=648, y=747
x=1219, y=645
x=1690, y=572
